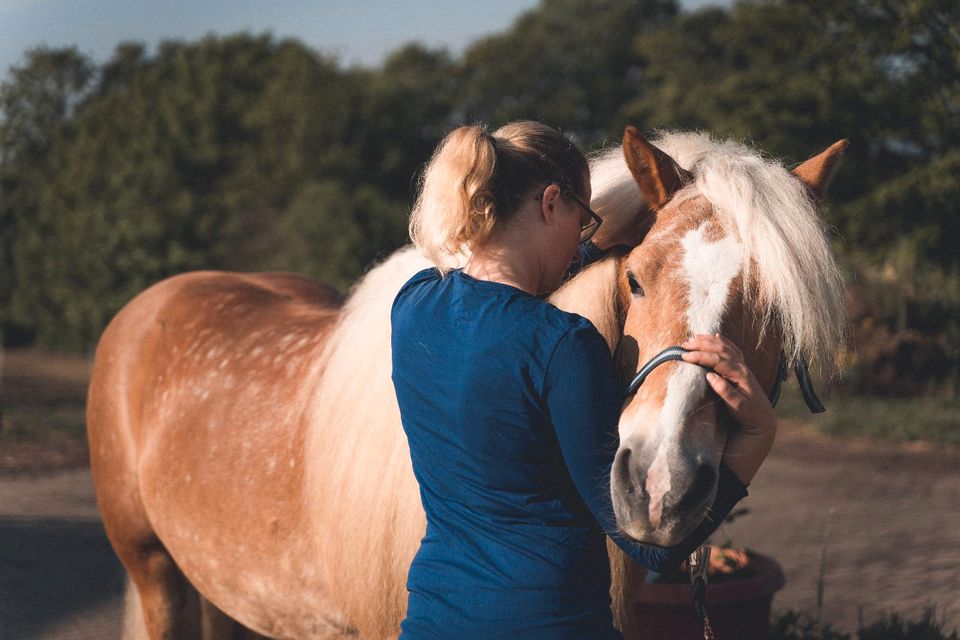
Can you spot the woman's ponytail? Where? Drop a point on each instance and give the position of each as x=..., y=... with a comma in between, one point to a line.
x=456, y=208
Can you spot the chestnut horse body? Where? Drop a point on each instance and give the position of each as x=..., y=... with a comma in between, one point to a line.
x=246, y=446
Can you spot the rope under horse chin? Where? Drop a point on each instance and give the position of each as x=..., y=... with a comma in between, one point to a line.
x=698, y=563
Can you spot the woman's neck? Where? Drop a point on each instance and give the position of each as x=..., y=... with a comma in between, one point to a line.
x=502, y=263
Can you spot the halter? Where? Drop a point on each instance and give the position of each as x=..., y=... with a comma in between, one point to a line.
x=799, y=368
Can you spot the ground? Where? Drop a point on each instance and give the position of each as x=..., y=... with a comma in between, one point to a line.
x=892, y=542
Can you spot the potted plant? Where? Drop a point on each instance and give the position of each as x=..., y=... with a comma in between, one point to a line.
x=740, y=588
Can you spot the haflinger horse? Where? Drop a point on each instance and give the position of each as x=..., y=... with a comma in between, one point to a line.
x=246, y=445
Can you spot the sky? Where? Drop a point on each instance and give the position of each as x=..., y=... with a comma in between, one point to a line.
x=359, y=32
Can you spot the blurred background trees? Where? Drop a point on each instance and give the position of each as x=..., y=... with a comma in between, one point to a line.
x=250, y=153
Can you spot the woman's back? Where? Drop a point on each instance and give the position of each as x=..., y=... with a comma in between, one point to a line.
x=511, y=549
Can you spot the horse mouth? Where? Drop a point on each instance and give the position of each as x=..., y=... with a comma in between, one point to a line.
x=668, y=534
x=665, y=520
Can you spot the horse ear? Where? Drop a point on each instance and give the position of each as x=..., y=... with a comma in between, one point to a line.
x=816, y=172
x=657, y=174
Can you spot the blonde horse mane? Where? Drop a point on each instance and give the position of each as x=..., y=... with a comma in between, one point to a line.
x=773, y=216
x=360, y=488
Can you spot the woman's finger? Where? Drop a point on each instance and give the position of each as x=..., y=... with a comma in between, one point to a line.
x=702, y=342
x=713, y=343
x=725, y=366
x=703, y=358
x=732, y=369
x=728, y=392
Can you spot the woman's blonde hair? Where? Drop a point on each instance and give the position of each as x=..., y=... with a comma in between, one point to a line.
x=476, y=180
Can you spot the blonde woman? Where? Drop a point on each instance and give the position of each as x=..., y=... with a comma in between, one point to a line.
x=510, y=405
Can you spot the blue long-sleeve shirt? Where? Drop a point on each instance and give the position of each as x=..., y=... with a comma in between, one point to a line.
x=510, y=407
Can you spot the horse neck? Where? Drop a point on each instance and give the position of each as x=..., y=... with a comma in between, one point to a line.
x=595, y=294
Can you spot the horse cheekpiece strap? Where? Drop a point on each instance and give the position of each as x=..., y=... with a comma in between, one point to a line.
x=668, y=354
x=806, y=386
x=799, y=368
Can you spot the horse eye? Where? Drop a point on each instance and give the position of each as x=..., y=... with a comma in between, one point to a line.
x=635, y=287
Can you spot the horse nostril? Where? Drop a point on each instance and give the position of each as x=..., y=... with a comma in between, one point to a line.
x=629, y=480
x=703, y=482
x=622, y=471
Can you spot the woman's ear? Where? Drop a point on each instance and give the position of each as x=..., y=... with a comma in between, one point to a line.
x=548, y=204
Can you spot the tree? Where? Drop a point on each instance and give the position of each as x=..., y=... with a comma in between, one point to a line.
x=405, y=109
x=36, y=103
x=795, y=76
x=173, y=164
x=333, y=233
x=568, y=63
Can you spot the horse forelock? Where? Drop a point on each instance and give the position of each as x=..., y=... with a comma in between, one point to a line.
x=787, y=257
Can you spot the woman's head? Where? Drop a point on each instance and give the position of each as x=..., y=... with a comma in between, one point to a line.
x=476, y=182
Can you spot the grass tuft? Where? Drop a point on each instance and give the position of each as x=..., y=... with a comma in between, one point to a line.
x=795, y=625
x=934, y=419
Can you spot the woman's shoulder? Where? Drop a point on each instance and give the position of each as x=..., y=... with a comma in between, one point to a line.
x=430, y=273
x=568, y=323
x=416, y=280
x=518, y=307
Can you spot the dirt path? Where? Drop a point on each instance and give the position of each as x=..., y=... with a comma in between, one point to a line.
x=894, y=539
x=58, y=575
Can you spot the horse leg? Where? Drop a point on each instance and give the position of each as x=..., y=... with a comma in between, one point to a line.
x=219, y=626
x=169, y=605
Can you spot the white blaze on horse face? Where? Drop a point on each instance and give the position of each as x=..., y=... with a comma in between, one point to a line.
x=658, y=485
x=708, y=269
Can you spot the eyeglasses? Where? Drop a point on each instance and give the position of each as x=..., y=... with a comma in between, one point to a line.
x=589, y=229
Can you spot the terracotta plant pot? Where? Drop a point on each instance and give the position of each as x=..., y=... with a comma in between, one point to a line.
x=739, y=608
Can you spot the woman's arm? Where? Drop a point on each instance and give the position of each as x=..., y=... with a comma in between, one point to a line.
x=583, y=396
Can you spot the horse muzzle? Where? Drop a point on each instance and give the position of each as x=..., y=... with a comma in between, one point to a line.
x=659, y=500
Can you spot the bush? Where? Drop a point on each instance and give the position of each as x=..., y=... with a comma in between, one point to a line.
x=794, y=625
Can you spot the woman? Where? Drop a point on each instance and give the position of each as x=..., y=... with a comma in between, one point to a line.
x=510, y=405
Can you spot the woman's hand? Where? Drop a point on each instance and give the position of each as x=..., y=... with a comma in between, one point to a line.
x=747, y=447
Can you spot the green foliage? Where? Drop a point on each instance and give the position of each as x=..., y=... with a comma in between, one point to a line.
x=905, y=314
x=919, y=206
x=795, y=76
x=36, y=106
x=406, y=108
x=179, y=162
x=932, y=419
x=894, y=627
x=566, y=62
x=332, y=234
x=42, y=95
x=248, y=153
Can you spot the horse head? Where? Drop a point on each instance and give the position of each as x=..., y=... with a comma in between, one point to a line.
x=728, y=242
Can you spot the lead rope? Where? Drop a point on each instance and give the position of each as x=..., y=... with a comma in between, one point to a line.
x=698, y=562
